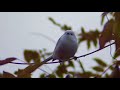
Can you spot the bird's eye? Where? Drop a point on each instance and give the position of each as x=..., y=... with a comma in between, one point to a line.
x=71, y=34
x=67, y=33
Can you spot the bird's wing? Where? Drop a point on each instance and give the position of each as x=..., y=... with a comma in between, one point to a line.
x=58, y=43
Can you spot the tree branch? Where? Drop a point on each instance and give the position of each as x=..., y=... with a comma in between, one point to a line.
x=95, y=51
x=69, y=59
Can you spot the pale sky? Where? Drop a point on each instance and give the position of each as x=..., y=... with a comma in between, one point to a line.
x=16, y=28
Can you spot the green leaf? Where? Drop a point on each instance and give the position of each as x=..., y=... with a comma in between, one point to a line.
x=53, y=21
x=42, y=76
x=100, y=62
x=59, y=73
x=95, y=42
x=98, y=69
x=107, y=75
x=71, y=64
x=61, y=70
x=111, y=67
x=81, y=65
x=83, y=30
x=102, y=20
x=65, y=27
x=88, y=44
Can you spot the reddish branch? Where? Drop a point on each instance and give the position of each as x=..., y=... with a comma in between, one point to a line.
x=7, y=60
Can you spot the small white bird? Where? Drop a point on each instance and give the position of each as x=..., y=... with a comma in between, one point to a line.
x=66, y=47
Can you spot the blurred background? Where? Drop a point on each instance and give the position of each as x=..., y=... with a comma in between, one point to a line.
x=30, y=30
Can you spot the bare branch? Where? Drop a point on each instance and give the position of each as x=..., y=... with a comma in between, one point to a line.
x=95, y=51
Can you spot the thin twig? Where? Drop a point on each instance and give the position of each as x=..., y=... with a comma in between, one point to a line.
x=71, y=58
x=95, y=51
x=22, y=63
x=107, y=69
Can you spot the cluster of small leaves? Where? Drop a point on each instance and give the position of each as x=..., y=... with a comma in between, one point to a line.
x=30, y=55
x=63, y=27
x=35, y=56
x=91, y=36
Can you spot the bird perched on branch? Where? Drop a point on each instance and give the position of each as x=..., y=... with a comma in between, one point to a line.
x=66, y=47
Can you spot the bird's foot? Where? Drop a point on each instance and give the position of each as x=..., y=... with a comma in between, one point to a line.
x=75, y=58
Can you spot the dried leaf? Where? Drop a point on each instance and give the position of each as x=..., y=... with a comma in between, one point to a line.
x=89, y=37
x=26, y=75
x=118, y=63
x=117, y=16
x=7, y=75
x=106, y=34
x=31, y=68
x=116, y=72
x=7, y=60
x=116, y=32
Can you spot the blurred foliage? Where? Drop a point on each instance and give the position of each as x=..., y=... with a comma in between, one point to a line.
x=63, y=27
x=111, y=31
x=89, y=37
x=115, y=72
x=31, y=55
